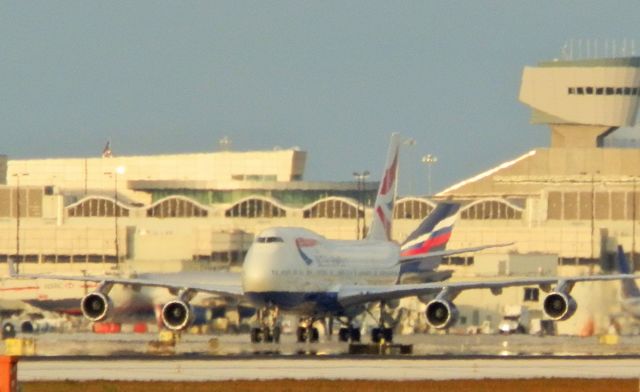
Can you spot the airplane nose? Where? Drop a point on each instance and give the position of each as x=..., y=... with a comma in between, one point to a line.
x=257, y=268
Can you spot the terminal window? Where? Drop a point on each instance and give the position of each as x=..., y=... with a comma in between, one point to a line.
x=412, y=209
x=333, y=209
x=491, y=209
x=255, y=208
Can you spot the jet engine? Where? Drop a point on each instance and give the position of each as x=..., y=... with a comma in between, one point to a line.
x=96, y=306
x=441, y=313
x=177, y=315
x=559, y=305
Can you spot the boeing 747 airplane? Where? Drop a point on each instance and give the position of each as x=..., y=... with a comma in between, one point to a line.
x=296, y=270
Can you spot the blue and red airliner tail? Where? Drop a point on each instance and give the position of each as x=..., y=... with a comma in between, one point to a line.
x=433, y=233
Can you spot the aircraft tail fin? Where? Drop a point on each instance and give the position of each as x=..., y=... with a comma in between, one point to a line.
x=629, y=286
x=421, y=253
x=433, y=233
x=383, y=208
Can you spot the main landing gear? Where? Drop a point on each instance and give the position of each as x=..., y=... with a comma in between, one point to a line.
x=382, y=334
x=269, y=326
x=349, y=332
x=306, y=332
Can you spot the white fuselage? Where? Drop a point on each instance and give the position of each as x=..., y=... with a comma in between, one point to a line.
x=299, y=270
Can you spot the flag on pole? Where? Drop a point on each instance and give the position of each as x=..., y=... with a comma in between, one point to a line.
x=106, y=152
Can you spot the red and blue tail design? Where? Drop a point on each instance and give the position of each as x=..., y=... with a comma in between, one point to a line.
x=383, y=208
x=433, y=233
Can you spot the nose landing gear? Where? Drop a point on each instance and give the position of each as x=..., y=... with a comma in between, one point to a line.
x=306, y=332
x=268, y=327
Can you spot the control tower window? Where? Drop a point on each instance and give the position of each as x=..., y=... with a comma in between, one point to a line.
x=572, y=90
x=634, y=91
x=627, y=91
x=599, y=90
x=590, y=90
x=619, y=91
x=580, y=90
x=609, y=90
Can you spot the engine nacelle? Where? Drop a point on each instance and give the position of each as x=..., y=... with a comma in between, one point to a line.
x=177, y=315
x=441, y=313
x=96, y=306
x=559, y=305
x=27, y=326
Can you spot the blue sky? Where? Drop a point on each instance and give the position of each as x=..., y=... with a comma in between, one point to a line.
x=332, y=77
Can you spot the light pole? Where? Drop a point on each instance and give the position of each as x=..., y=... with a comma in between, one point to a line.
x=17, y=257
x=633, y=226
x=410, y=142
x=360, y=178
x=119, y=170
x=429, y=160
x=116, y=210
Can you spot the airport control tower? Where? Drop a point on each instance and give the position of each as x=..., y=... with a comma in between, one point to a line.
x=582, y=100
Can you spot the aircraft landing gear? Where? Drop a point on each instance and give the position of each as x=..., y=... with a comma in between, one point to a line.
x=306, y=332
x=268, y=329
x=382, y=333
x=349, y=334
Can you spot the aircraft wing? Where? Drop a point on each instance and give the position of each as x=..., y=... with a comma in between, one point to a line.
x=357, y=295
x=224, y=290
x=451, y=252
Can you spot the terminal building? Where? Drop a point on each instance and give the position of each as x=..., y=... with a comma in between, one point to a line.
x=565, y=207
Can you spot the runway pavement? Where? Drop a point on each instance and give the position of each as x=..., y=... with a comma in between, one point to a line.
x=127, y=357
x=55, y=344
x=327, y=369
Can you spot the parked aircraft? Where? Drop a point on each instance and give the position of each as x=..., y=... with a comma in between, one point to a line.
x=296, y=270
x=629, y=293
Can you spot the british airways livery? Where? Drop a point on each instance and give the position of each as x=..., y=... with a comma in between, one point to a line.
x=289, y=269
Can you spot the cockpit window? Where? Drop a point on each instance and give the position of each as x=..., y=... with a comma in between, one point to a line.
x=269, y=239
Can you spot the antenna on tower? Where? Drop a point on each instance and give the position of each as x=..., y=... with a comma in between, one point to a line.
x=571, y=49
x=579, y=48
x=565, y=51
x=224, y=144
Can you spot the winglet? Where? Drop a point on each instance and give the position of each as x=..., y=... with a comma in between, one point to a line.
x=12, y=268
